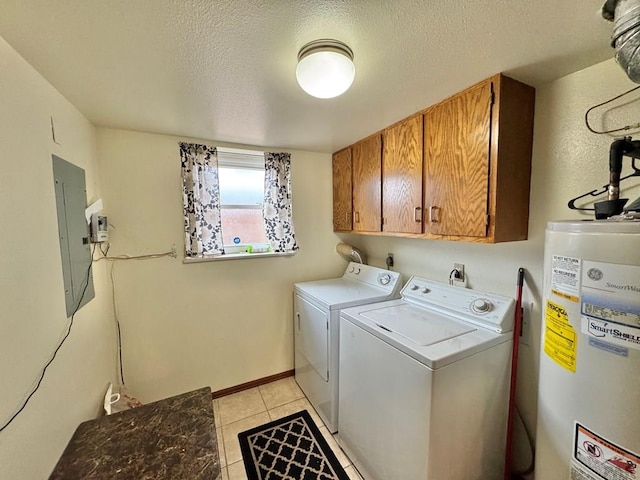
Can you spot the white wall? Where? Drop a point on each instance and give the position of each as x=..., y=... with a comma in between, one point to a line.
x=33, y=316
x=217, y=323
x=568, y=160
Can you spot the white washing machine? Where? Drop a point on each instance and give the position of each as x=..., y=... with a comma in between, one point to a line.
x=317, y=329
x=424, y=384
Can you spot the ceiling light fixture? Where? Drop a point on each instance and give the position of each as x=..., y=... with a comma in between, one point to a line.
x=325, y=68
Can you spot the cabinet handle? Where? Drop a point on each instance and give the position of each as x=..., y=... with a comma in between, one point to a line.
x=417, y=216
x=433, y=217
x=298, y=318
x=357, y=217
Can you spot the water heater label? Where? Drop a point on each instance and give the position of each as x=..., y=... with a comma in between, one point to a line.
x=596, y=458
x=610, y=303
x=611, y=332
x=559, y=336
x=565, y=277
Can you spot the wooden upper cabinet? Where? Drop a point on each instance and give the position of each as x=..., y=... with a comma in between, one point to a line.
x=459, y=170
x=457, y=133
x=402, y=177
x=367, y=184
x=510, y=158
x=342, y=190
x=477, y=157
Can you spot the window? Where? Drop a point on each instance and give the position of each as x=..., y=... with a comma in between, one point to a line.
x=247, y=191
x=241, y=177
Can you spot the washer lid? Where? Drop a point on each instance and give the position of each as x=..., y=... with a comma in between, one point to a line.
x=433, y=338
x=337, y=293
x=359, y=284
x=411, y=324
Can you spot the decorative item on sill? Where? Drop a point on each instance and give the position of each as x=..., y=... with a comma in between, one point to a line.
x=258, y=249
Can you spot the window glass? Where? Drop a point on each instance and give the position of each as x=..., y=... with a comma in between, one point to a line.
x=241, y=186
x=242, y=223
x=241, y=197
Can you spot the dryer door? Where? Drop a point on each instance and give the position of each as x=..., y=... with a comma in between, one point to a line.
x=312, y=336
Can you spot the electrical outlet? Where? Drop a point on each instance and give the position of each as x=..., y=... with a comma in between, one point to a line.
x=525, y=330
x=460, y=268
x=389, y=260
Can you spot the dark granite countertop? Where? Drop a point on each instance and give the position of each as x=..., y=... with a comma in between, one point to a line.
x=172, y=439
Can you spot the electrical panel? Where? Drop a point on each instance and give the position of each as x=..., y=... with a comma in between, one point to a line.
x=73, y=230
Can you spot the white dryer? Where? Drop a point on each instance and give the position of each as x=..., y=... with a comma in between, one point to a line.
x=424, y=384
x=317, y=308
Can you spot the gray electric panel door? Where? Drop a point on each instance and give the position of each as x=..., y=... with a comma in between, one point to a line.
x=75, y=249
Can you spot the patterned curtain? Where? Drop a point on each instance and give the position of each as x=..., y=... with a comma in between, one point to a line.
x=277, y=210
x=201, y=198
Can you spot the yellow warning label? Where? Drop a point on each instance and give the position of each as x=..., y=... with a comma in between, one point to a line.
x=559, y=337
x=573, y=298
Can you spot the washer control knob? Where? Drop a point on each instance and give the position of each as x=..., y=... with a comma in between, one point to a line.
x=425, y=290
x=480, y=305
x=351, y=269
x=384, y=279
x=357, y=271
x=414, y=287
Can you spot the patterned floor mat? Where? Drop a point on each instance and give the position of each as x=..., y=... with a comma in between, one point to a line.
x=290, y=448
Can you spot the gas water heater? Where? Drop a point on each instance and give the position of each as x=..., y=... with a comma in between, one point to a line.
x=589, y=385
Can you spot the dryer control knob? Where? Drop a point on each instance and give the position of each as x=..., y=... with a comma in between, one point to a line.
x=480, y=305
x=384, y=279
x=351, y=269
x=425, y=290
x=414, y=287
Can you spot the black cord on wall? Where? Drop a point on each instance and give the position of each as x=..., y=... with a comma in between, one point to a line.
x=55, y=352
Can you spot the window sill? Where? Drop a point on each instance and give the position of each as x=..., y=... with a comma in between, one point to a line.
x=237, y=256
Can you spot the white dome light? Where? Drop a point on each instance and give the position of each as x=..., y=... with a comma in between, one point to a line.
x=325, y=68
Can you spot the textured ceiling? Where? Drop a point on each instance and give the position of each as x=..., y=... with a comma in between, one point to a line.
x=225, y=70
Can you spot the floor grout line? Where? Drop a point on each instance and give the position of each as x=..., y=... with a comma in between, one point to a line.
x=224, y=446
x=263, y=402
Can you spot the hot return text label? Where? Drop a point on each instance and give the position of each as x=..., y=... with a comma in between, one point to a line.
x=565, y=277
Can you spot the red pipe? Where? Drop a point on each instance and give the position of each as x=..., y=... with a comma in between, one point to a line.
x=517, y=328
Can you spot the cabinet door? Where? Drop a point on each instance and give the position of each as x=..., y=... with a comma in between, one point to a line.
x=402, y=177
x=367, y=184
x=342, y=190
x=456, y=153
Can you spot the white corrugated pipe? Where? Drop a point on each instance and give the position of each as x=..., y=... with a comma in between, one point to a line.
x=626, y=34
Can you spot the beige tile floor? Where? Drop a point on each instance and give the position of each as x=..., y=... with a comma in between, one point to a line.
x=250, y=408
